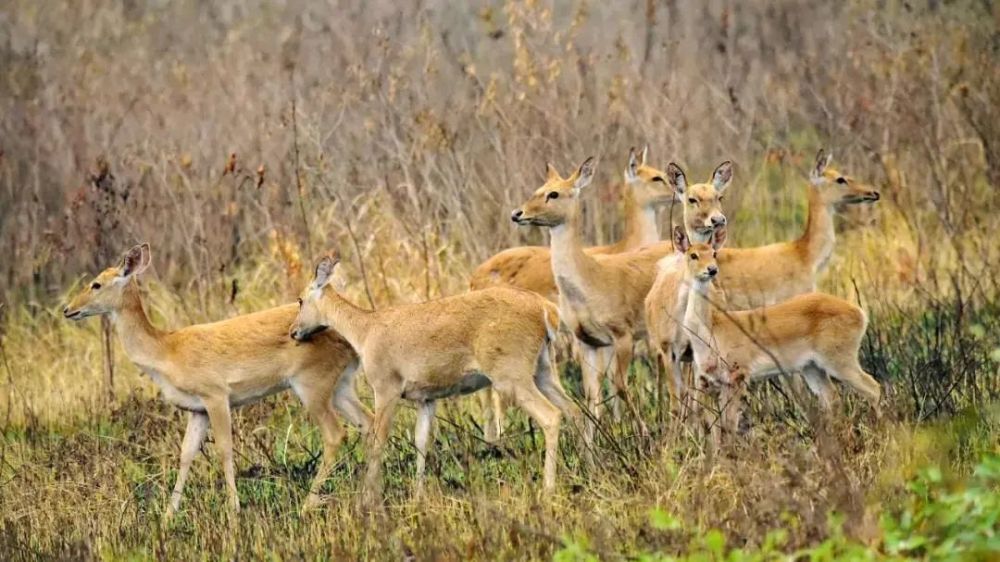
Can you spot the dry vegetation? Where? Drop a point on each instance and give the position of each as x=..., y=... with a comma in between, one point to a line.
x=242, y=138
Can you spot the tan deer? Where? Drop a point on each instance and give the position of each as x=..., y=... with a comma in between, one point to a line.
x=600, y=297
x=446, y=347
x=754, y=276
x=813, y=333
x=773, y=273
x=209, y=369
x=645, y=191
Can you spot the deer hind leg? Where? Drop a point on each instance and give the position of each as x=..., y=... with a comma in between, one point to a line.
x=345, y=399
x=820, y=385
x=388, y=391
x=194, y=436
x=849, y=372
x=219, y=415
x=547, y=381
x=493, y=414
x=423, y=435
x=527, y=395
x=315, y=393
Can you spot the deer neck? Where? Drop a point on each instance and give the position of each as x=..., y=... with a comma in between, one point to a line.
x=640, y=223
x=820, y=236
x=143, y=343
x=351, y=322
x=569, y=261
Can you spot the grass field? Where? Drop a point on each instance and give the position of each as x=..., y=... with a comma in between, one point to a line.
x=242, y=139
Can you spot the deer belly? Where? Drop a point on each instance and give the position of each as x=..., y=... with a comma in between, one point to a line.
x=466, y=384
x=175, y=396
x=239, y=397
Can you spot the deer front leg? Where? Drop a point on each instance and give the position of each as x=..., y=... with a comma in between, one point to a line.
x=623, y=359
x=194, y=436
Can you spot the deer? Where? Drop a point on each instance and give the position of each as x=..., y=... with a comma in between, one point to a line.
x=497, y=337
x=601, y=296
x=816, y=334
x=755, y=276
x=209, y=369
x=645, y=191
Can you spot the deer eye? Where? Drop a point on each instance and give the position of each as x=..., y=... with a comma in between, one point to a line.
x=694, y=256
x=842, y=180
x=720, y=198
x=715, y=254
x=692, y=201
x=300, y=301
x=95, y=285
x=552, y=195
x=659, y=179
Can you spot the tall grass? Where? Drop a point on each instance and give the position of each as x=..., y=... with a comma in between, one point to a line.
x=242, y=138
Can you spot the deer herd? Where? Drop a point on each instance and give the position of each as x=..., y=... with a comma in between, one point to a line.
x=731, y=315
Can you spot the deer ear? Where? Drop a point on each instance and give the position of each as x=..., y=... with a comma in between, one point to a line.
x=676, y=178
x=681, y=241
x=822, y=161
x=550, y=173
x=632, y=169
x=324, y=269
x=135, y=261
x=582, y=177
x=719, y=238
x=722, y=176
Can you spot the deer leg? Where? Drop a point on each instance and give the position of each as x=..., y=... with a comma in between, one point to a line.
x=194, y=436
x=423, y=435
x=219, y=415
x=314, y=392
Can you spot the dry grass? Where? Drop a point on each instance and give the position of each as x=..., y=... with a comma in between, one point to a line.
x=241, y=139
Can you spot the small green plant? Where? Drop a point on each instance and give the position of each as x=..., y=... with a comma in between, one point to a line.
x=940, y=523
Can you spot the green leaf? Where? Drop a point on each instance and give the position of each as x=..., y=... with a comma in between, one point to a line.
x=663, y=521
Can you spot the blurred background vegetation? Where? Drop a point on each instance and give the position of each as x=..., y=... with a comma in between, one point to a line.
x=243, y=138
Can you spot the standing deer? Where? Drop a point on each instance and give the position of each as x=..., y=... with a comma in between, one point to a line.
x=209, y=369
x=813, y=333
x=754, y=276
x=442, y=348
x=600, y=297
x=645, y=191
x=530, y=267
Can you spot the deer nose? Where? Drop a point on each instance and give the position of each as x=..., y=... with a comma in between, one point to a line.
x=713, y=271
x=516, y=215
x=874, y=195
x=719, y=220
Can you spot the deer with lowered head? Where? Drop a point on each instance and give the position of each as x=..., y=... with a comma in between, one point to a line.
x=754, y=276
x=209, y=369
x=600, y=297
x=442, y=348
x=816, y=334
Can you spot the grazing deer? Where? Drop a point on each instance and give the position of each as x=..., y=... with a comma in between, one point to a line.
x=813, y=333
x=447, y=347
x=600, y=297
x=530, y=267
x=208, y=369
x=754, y=276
